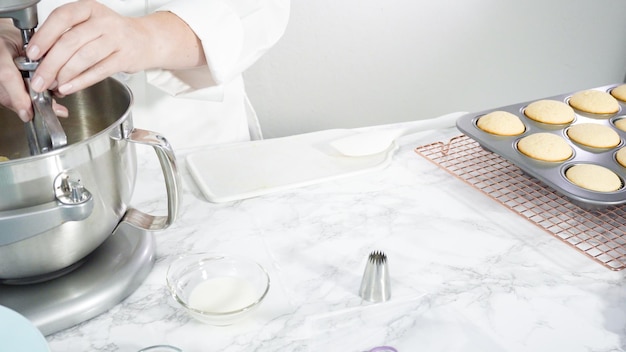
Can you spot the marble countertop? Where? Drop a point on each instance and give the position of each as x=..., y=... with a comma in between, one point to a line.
x=466, y=273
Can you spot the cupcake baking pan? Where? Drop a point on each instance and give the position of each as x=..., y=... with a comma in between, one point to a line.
x=553, y=173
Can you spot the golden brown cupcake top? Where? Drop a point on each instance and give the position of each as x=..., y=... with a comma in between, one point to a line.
x=550, y=112
x=502, y=123
x=594, y=102
x=545, y=146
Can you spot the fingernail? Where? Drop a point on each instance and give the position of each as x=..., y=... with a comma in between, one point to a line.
x=65, y=89
x=37, y=83
x=32, y=51
x=61, y=112
x=24, y=116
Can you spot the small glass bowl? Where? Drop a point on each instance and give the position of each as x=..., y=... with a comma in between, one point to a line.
x=217, y=289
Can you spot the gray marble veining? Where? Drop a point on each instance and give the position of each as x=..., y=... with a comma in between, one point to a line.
x=467, y=274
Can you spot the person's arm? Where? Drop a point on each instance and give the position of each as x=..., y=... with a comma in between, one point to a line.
x=100, y=42
x=234, y=34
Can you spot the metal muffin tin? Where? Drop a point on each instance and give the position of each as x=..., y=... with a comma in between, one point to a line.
x=553, y=173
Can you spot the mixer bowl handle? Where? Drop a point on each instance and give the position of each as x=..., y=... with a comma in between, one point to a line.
x=72, y=202
x=173, y=183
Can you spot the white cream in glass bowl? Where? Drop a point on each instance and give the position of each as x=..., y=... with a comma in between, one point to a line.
x=217, y=289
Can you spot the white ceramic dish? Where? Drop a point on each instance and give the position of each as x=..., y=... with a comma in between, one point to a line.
x=237, y=171
x=18, y=334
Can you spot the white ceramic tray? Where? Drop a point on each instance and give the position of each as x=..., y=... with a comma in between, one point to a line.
x=249, y=169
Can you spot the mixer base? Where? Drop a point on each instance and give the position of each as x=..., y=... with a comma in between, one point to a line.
x=108, y=275
x=44, y=277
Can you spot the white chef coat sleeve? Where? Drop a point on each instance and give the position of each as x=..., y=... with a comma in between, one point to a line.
x=234, y=35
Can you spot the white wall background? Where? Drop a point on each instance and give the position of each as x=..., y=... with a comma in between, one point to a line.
x=349, y=63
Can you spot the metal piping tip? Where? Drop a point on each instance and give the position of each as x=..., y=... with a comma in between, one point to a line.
x=375, y=285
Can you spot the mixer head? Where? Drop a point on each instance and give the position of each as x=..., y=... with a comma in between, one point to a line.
x=23, y=12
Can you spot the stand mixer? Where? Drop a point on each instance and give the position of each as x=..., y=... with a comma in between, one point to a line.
x=88, y=264
x=44, y=132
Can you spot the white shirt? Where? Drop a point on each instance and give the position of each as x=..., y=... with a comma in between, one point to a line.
x=206, y=105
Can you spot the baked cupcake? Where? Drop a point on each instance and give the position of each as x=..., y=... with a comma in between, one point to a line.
x=594, y=102
x=594, y=177
x=619, y=92
x=620, y=124
x=550, y=111
x=545, y=146
x=593, y=135
x=501, y=123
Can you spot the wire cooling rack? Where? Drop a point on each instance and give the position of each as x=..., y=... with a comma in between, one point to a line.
x=599, y=234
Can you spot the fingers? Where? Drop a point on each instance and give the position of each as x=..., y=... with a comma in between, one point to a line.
x=14, y=96
x=76, y=51
x=94, y=62
x=59, y=21
x=73, y=41
x=22, y=107
x=58, y=44
x=12, y=89
x=13, y=92
x=84, y=42
x=59, y=110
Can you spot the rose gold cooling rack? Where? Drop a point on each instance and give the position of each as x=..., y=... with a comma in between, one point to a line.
x=599, y=234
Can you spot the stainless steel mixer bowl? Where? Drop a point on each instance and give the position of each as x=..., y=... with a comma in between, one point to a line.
x=58, y=207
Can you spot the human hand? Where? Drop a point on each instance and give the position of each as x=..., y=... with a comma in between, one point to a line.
x=13, y=94
x=82, y=43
